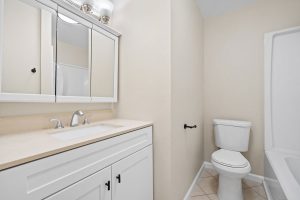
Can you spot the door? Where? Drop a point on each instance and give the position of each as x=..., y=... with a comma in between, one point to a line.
x=93, y=187
x=132, y=177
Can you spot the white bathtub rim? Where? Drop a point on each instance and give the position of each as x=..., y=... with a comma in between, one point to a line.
x=287, y=181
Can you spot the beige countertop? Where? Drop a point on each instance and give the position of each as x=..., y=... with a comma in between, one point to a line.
x=20, y=148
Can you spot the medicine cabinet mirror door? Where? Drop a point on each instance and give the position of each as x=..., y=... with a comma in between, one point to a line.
x=73, y=58
x=104, y=76
x=27, y=51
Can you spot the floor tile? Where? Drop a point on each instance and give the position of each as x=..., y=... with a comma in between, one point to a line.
x=208, y=185
x=197, y=191
x=250, y=194
x=248, y=183
x=213, y=197
x=205, y=173
x=212, y=171
x=200, y=198
x=260, y=190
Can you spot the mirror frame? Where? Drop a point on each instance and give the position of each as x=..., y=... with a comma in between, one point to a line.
x=24, y=97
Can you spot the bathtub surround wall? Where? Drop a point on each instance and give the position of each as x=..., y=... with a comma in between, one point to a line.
x=161, y=81
x=234, y=68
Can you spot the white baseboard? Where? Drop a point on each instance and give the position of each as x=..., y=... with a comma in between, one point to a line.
x=252, y=177
x=187, y=195
x=255, y=178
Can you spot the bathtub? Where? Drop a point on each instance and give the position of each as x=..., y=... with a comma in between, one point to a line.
x=282, y=178
x=282, y=106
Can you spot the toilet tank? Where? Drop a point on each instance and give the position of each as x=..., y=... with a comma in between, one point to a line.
x=232, y=135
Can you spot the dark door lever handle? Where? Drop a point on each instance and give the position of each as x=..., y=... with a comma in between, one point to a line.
x=118, y=178
x=187, y=126
x=108, y=185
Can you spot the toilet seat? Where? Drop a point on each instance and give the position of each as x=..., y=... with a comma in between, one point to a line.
x=229, y=158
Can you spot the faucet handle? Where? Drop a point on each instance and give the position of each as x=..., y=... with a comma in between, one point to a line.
x=58, y=123
x=85, y=121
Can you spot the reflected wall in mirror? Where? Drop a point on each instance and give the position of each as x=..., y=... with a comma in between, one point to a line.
x=73, y=57
x=27, y=48
x=103, y=65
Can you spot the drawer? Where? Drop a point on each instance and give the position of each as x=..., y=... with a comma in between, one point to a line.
x=41, y=178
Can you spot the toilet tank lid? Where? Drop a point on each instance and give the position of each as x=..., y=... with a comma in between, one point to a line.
x=232, y=123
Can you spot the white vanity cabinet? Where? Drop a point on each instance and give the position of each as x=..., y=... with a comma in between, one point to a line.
x=94, y=187
x=119, y=168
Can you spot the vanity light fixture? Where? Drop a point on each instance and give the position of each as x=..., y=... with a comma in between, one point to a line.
x=66, y=19
x=86, y=8
x=102, y=10
x=105, y=12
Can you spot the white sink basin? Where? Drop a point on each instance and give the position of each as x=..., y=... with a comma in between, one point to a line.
x=83, y=132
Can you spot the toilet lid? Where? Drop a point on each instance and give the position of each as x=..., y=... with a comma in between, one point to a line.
x=229, y=158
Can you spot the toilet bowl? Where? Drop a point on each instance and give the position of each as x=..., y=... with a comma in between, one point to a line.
x=231, y=166
x=232, y=137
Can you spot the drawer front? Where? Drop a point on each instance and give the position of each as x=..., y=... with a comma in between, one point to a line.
x=41, y=178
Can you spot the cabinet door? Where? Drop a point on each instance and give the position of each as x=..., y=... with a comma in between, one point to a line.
x=132, y=177
x=104, y=76
x=94, y=187
x=27, y=51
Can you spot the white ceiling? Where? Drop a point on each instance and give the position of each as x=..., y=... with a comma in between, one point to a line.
x=219, y=7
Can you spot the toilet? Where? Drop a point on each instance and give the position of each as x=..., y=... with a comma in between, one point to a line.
x=232, y=137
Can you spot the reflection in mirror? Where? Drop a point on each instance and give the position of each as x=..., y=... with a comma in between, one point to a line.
x=103, y=65
x=73, y=57
x=28, y=48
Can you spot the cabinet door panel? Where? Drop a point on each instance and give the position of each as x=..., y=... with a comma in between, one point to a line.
x=90, y=188
x=133, y=177
x=27, y=51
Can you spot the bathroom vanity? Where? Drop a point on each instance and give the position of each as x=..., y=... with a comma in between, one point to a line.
x=114, y=163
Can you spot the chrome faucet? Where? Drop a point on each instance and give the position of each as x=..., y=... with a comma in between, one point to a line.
x=75, y=118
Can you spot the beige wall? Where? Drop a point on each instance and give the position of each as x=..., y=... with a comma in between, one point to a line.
x=234, y=68
x=161, y=81
x=186, y=94
x=33, y=122
x=144, y=78
x=19, y=109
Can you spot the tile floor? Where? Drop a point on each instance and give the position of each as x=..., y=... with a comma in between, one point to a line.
x=207, y=186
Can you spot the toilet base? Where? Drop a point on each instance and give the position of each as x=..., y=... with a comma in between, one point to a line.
x=230, y=188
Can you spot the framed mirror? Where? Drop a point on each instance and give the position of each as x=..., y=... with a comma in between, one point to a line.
x=27, y=51
x=73, y=58
x=104, y=76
